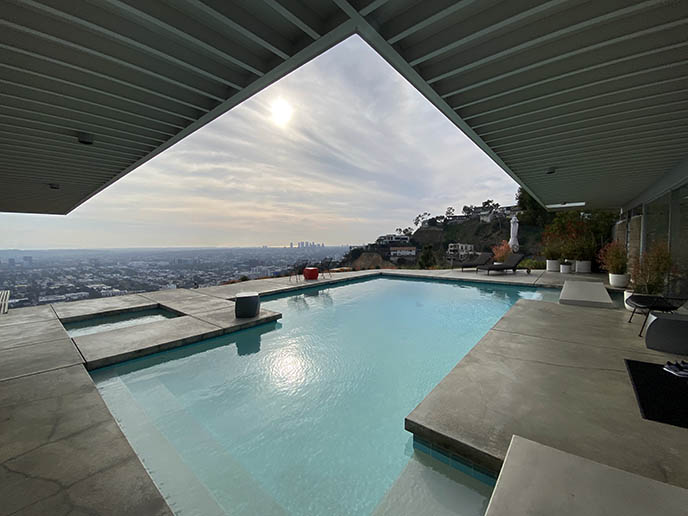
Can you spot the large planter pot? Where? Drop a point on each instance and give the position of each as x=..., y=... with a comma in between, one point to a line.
x=553, y=265
x=565, y=268
x=618, y=280
x=583, y=266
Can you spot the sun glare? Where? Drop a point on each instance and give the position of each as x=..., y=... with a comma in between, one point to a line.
x=281, y=112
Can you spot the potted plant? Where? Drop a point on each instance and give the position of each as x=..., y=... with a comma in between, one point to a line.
x=566, y=267
x=551, y=248
x=650, y=272
x=501, y=252
x=584, y=252
x=613, y=259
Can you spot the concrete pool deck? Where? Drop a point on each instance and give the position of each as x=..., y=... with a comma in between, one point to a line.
x=554, y=374
x=60, y=448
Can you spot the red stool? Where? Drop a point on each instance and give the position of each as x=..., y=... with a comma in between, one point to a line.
x=310, y=273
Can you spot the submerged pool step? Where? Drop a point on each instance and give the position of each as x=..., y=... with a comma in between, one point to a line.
x=186, y=454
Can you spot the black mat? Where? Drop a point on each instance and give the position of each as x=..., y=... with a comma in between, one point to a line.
x=661, y=396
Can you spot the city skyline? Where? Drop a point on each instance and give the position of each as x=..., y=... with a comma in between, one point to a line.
x=341, y=150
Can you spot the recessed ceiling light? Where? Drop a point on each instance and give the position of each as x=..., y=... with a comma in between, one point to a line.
x=85, y=138
x=551, y=170
x=54, y=186
x=566, y=205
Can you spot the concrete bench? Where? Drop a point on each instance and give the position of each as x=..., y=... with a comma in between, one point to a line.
x=4, y=301
x=585, y=293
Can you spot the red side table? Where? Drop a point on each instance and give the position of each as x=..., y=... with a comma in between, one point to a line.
x=310, y=273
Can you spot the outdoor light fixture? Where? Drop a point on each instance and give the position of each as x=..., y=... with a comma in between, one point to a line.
x=85, y=138
x=54, y=186
x=551, y=170
x=566, y=205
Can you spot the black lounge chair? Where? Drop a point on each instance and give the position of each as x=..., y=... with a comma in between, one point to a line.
x=480, y=259
x=510, y=264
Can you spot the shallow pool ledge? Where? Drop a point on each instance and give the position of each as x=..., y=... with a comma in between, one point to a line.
x=112, y=347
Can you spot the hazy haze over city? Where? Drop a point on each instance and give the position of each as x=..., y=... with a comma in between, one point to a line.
x=339, y=151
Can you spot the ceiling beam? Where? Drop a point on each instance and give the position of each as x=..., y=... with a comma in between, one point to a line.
x=419, y=17
x=298, y=14
x=448, y=40
x=447, y=68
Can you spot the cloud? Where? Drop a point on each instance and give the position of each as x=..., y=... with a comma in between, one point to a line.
x=362, y=154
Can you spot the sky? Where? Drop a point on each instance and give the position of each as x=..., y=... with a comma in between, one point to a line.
x=339, y=151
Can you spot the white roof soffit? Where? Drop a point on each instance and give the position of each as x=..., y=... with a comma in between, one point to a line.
x=596, y=91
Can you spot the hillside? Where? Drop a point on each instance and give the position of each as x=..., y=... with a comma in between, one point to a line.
x=482, y=235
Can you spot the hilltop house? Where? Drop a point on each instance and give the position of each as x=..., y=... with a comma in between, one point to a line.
x=386, y=240
x=406, y=252
x=458, y=250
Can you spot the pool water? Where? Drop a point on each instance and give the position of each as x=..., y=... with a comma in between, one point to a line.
x=304, y=416
x=115, y=322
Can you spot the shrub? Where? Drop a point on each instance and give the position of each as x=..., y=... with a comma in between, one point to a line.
x=531, y=263
x=650, y=272
x=426, y=258
x=612, y=258
x=501, y=251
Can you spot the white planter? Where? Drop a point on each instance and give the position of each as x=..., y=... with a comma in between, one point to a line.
x=583, y=266
x=565, y=269
x=553, y=265
x=618, y=280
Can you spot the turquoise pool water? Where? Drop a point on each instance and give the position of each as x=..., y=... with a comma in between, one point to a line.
x=117, y=321
x=304, y=416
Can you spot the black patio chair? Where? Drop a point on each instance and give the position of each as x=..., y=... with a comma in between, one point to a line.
x=646, y=303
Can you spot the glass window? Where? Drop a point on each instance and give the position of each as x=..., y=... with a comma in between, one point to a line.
x=657, y=220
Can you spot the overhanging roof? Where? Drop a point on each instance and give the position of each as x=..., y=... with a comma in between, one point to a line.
x=596, y=90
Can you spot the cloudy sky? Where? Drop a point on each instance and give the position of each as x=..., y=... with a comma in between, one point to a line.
x=361, y=154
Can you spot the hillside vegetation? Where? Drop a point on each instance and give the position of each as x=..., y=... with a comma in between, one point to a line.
x=481, y=234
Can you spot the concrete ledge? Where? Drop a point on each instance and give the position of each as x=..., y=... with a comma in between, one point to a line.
x=111, y=347
x=15, y=335
x=25, y=315
x=542, y=481
x=38, y=358
x=585, y=293
x=226, y=319
x=187, y=302
x=88, y=308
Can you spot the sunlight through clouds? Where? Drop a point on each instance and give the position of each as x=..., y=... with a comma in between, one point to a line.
x=339, y=151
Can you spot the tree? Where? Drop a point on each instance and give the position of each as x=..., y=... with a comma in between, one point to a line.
x=426, y=258
x=450, y=212
x=408, y=231
x=532, y=212
x=420, y=218
x=399, y=231
x=468, y=210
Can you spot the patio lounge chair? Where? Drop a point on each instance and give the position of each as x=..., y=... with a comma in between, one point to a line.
x=480, y=259
x=509, y=264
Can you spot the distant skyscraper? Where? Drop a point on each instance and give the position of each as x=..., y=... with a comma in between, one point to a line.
x=28, y=260
x=11, y=262
x=291, y=245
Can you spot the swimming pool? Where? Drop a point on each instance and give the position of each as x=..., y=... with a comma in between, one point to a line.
x=305, y=416
x=114, y=322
